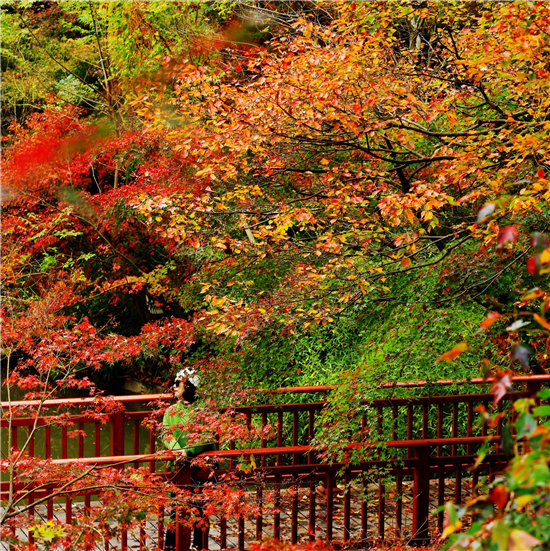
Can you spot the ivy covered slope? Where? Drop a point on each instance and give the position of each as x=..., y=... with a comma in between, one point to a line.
x=351, y=192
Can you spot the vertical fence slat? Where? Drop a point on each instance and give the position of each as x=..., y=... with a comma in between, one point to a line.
x=330, y=503
x=241, y=532
x=279, y=436
x=117, y=433
x=440, y=496
x=152, y=447
x=64, y=442
x=136, y=441
x=264, y=440
x=364, y=508
x=259, y=516
x=425, y=413
x=347, y=506
x=410, y=421
x=455, y=425
x=295, y=430
x=294, y=513
x=484, y=429
x=399, y=502
x=80, y=439
x=277, y=505
x=48, y=442
x=97, y=438
x=470, y=424
x=440, y=427
x=232, y=444
x=14, y=437
x=142, y=535
x=223, y=533
x=312, y=497
x=422, y=495
x=31, y=515
x=160, y=527
x=458, y=484
x=49, y=508
x=381, y=508
x=310, y=434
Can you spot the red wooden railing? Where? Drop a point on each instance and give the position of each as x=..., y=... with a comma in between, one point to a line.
x=427, y=449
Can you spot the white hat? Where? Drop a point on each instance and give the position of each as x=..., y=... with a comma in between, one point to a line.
x=187, y=374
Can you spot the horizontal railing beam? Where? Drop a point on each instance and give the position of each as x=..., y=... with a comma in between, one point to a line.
x=282, y=390
x=87, y=400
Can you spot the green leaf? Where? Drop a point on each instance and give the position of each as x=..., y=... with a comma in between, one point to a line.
x=541, y=411
x=540, y=473
x=525, y=425
x=500, y=535
x=544, y=394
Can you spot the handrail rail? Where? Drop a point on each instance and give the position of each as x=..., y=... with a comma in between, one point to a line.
x=415, y=384
x=168, y=455
x=87, y=400
x=281, y=390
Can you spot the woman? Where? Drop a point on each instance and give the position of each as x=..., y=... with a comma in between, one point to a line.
x=175, y=439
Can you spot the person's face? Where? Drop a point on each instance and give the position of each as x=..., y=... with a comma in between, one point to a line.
x=178, y=389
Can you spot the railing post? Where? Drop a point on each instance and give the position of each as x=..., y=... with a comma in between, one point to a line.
x=183, y=533
x=421, y=496
x=117, y=433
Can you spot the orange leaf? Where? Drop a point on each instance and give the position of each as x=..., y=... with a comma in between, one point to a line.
x=499, y=496
x=490, y=319
x=542, y=321
x=455, y=351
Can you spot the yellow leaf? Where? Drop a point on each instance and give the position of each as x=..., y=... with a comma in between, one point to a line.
x=451, y=529
x=522, y=501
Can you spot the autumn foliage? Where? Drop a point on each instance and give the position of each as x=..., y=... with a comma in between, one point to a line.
x=245, y=194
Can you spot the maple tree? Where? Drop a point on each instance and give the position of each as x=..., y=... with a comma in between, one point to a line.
x=350, y=156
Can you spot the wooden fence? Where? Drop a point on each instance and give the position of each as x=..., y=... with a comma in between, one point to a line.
x=290, y=494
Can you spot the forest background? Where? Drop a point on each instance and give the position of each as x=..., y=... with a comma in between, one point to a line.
x=273, y=193
x=281, y=194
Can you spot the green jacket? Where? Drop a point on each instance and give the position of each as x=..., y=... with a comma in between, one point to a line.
x=175, y=438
